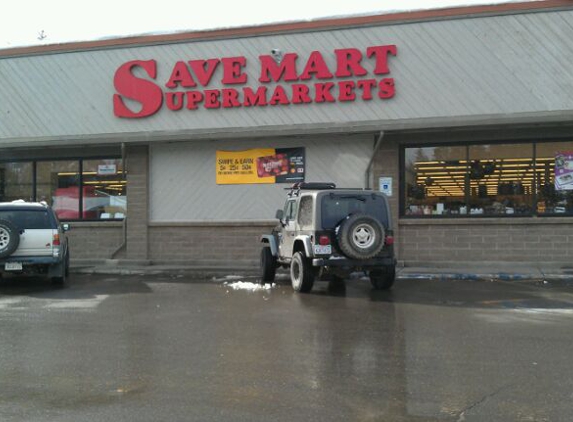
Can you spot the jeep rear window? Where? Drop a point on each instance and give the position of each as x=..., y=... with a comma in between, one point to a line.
x=27, y=219
x=335, y=208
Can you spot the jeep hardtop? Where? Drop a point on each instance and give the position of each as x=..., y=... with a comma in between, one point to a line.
x=328, y=233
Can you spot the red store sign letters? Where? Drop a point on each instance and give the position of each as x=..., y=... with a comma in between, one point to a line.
x=279, y=82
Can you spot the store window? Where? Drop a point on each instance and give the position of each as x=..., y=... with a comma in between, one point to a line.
x=435, y=180
x=501, y=179
x=58, y=183
x=16, y=181
x=104, y=189
x=554, y=169
x=517, y=179
x=94, y=189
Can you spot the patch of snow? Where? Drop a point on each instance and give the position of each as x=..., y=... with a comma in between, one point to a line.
x=245, y=285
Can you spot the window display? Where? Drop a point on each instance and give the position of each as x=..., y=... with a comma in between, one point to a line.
x=435, y=180
x=489, y=179
x=104, y=187
x=58, y=183
x=554, y=169
x=501, y=179
x=92, y=189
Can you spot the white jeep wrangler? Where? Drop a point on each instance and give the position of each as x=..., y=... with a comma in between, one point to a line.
x=328, y=233
x=32, y=241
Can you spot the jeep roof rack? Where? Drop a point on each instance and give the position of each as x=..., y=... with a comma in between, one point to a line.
x=297, y=187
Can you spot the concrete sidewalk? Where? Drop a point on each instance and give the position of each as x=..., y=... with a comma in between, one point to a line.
x=480, y=272
x=491, y=273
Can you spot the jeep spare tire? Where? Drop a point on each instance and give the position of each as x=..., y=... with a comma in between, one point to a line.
x=360, y=236
x=9, y=238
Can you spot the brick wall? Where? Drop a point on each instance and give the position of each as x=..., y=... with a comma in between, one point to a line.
x=524, y=240
x=95, y=241
x=207, y=244
x=138, y=202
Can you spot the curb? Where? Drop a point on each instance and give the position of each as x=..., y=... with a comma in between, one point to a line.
x=469, y=276
x=402, y=274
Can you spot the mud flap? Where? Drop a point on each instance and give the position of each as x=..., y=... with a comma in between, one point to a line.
x=57, y=270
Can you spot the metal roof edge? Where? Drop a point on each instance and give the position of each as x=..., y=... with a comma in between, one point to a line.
x=529, y=119
x=320, y=24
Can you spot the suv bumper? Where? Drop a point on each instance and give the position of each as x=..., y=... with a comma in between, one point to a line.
x=344, y=262
x=36, y=260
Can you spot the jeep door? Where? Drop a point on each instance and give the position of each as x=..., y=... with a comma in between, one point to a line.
x=289, y=229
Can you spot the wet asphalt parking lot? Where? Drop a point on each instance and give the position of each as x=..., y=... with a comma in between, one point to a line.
x=178, y=348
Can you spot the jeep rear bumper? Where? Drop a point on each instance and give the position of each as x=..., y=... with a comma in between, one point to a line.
x=344, y=262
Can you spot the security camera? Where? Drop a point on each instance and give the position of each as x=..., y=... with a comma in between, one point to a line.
x=277, y=54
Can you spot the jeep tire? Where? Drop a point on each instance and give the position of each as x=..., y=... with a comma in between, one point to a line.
x=383, y=279
x=9, y=238
x=301, y=273
x=268, y=265
x=360, y=236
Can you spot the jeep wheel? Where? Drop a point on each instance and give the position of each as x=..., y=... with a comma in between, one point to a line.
x=9, y=238
x=268, y=265
x=360, y=236
x=383, y=279
x=301, y=274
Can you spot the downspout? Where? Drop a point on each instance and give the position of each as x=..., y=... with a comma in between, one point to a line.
x=124, y=222
x=377, y=144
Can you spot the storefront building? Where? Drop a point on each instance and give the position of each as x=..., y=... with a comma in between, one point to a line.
x=177, y=148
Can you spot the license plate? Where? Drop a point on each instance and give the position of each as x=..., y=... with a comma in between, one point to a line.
x=322, y=249
x=13, y=266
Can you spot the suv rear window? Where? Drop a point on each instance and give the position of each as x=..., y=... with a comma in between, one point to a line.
x=27, y=219
x=336, y=207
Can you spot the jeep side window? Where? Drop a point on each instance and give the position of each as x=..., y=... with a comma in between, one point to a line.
x=305, y=211
x=290, y=210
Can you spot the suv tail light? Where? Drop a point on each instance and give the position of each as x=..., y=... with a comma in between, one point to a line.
x=56, y=240
x=324, y=240
x=389, y=240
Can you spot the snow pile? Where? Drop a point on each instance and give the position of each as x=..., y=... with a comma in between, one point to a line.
x=244, y=285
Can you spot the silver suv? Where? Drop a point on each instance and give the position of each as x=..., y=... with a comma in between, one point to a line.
x=32, y=241
x=329, y=233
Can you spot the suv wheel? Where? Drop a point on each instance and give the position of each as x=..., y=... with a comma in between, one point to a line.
x=301, y=274
x=360, y=236
x=9, y=238
x=383, y=279
x=268, y=265
x=62, y=280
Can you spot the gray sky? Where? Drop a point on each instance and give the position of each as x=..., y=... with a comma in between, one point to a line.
x=22, y=21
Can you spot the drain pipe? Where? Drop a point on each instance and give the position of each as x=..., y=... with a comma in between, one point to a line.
x=124, y=222
x=369, y=168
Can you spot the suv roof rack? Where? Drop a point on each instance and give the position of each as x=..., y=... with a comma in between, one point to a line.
x=297, y=187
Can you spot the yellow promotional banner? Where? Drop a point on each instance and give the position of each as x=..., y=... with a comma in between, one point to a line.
x=260, y=166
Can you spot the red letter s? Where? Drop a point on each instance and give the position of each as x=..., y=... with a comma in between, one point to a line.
x=141, y=90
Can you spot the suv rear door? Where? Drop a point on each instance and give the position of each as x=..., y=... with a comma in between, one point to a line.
x=36, y=230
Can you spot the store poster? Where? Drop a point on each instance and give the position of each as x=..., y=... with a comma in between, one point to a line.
x=564, y=170
x=281, y=165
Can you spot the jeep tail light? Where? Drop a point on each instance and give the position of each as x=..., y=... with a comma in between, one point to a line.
x=324, y=240
x=389, y=240
x=56, y=240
